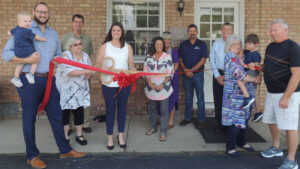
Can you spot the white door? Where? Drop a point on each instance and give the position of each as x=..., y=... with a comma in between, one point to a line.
x=209, y=17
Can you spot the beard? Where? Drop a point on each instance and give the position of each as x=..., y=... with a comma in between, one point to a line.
x=40, y=22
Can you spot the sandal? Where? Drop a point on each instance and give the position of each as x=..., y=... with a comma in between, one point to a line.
x=232, y=153
x=162, y=138
x=247, y=147
x=170, y=126
x=150, y=132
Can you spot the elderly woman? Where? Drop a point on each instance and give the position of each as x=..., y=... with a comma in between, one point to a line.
x=114, y=46
x=233, y=116
x=158, y=88
x=72, y=84
x=173, y=99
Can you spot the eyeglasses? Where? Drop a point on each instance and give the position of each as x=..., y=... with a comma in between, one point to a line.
x=42, y=12
x=77, y=44
x=166, y=32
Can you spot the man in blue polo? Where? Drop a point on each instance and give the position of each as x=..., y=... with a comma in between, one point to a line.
x=31, y=95
x=193, y=54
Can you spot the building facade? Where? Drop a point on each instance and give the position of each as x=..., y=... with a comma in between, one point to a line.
x=143, y=20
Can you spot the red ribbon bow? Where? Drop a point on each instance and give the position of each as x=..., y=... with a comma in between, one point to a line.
x=126, y=80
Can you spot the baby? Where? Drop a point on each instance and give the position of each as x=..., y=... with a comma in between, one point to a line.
x=23, y=41
x=251, y=56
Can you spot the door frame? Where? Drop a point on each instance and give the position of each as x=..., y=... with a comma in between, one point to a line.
x=240, y=26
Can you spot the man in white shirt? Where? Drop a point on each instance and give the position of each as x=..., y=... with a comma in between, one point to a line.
x=217, y=64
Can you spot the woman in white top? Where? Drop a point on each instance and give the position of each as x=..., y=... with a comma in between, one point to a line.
x=72, y=84
x=115, y=46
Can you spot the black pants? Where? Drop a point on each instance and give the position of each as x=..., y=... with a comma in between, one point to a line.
x=78, y=116
x=235, y=137
x=218, y=97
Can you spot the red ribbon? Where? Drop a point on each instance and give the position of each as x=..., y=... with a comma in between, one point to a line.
x=48, y=88
x=255, y=67
x=126, y=80
x=123, y=79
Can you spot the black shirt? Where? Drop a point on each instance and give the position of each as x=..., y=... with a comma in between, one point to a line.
x=279, y=58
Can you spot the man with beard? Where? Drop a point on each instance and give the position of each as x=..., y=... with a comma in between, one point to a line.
x=217, y=56
x=193, y=54
x=87, y=47
x=32, y=94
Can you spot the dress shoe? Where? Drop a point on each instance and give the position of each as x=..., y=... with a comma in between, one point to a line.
x=81, y=141
x=184, y=122
x=121, y=145
x=110, y=147
x=73, y=153
x=200, y=125
x=87, y=129
x=36, y=162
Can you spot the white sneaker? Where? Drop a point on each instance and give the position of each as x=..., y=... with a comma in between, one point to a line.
x=30, y=78
x=16, y=81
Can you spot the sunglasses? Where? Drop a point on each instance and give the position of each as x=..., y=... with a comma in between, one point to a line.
x=77, y=44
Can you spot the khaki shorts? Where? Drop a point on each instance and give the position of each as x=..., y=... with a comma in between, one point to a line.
x=286, y=119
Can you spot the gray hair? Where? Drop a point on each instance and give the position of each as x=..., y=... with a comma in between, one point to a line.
x=230, y=39
x=71, y=40
x=166, y=35
x=281, y=22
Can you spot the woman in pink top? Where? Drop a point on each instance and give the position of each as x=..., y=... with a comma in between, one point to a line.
x=158, y=88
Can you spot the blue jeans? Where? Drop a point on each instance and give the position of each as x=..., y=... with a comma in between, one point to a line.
x=31, y=96
x=164, y=117
x=189, y=84
x=111, y=102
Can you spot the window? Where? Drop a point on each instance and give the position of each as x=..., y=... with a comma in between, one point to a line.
x=142, y=21
x=211, y=20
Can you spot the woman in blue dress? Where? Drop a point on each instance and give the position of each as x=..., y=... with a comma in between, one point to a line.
x=233, y=116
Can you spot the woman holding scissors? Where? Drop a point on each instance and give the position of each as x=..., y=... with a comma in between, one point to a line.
x=115, y=47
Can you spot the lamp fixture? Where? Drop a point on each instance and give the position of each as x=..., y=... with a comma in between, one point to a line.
x=180, y=6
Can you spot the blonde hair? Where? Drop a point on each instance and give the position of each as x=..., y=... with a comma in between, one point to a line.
x=22, y=14
x=166, y=35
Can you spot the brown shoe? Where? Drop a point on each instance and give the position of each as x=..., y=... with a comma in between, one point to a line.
x=73, y=154
x=36, y=162
x=184, y=122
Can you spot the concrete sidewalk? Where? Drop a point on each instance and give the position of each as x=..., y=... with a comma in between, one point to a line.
x=180, y=139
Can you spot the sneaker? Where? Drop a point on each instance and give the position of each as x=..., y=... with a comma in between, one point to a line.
x=16, y=81
x=257, y=117
x=247, y=102
x=272, y=152
x=289, y=164
x=30, y=78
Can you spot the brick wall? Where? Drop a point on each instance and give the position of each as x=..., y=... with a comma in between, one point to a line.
x=258, y=14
